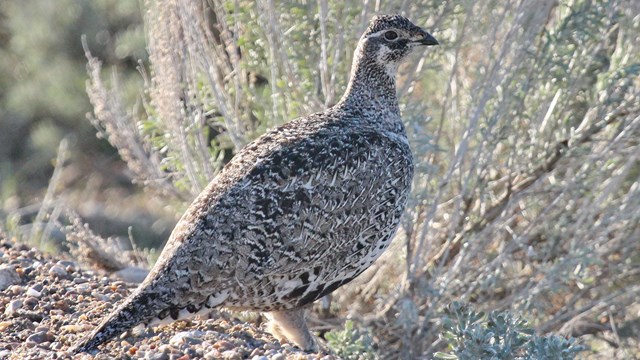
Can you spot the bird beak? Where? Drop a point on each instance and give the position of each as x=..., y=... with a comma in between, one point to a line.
x=424, y=38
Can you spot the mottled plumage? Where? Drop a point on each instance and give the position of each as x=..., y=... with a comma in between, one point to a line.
x=297, y=213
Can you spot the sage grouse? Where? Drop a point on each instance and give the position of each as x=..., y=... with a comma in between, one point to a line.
x=297, y=213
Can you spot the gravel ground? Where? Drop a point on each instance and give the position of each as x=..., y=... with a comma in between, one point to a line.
x=46, y=304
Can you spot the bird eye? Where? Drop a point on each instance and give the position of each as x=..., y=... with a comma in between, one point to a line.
x=390, y=35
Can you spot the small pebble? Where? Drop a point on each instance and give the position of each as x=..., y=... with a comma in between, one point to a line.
x=186, y=337
x=223, y=345
x=103, y=298
x=12, y=307
x=58, y=271
x=328, y=357
x=231, y=355
x=30, y=302
x=8, y=276
x=212, y=355
x=4, y=325
x=256, y=352
x=56, y=312
x=83, y=287
x=69, y=266
x=33, y=292
x=15, y=289
x=271, y=346
x=154, y=355
x=73, y=328
x=39, y=337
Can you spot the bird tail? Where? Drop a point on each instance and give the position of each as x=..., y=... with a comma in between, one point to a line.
x=140, y=307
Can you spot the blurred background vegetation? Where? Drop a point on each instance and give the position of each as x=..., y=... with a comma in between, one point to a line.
x=525, y=124
x=43, y=100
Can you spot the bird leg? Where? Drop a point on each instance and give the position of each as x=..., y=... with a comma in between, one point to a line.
x=291, y=325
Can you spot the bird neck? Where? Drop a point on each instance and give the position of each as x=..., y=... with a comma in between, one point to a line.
x=371, y=89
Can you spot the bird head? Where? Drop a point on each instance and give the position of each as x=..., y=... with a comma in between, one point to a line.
x=389, y=39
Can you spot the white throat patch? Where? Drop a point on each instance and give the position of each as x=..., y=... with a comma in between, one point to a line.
x=390, y=67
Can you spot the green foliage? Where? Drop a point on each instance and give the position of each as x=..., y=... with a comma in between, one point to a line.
x=499, y=336
x=43, y=77
x=351, y=343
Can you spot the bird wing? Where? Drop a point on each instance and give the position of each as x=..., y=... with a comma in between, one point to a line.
x=324, y=206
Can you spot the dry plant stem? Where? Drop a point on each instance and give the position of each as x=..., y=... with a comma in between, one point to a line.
x=594, y=306
x=90, y=248
x=495, y=77
x=269, y=19
x=212, y=68
x=450, y=249
x=229, y=36
x=49, y=207
x=119, y=129
x=327, y=90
